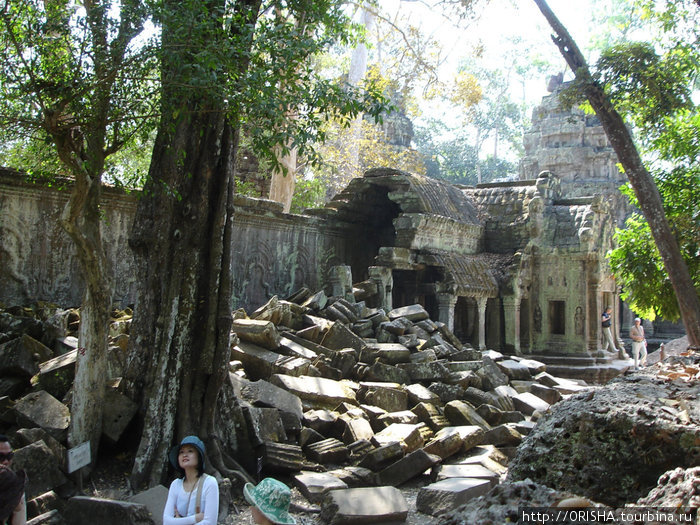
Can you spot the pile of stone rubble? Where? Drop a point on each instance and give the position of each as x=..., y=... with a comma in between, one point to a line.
x=351, y=402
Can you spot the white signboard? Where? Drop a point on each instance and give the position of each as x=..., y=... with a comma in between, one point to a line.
x=78, y=457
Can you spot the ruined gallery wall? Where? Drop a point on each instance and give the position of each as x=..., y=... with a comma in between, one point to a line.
x=276, y=253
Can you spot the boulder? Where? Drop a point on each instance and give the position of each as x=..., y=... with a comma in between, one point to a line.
x=612, y=444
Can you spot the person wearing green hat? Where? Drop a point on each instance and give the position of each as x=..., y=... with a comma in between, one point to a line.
x=193, y=497
x=270, y=500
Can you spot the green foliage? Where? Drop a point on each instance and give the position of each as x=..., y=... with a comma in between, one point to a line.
x=308, y=193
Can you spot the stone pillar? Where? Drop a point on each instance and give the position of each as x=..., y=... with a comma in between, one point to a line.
x=511, y=310
x=341, y=282
x=594, y=333
x=446, y=309
x=381, y=275
x=481, y=303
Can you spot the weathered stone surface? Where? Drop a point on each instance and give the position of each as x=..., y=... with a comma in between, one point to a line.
x=42, y=467
x=316, y=390
x=527, y=403
x=261, y=333
x=281, y=457
x=389, y=418
x=547, y=394
x=446, y=392
x=27, y=436
x=408, y=435
x=445, y=446
x=340, y=336
x=84, y=510
x=40, y=409
x=463, y=413
x=471, y=435
x=440, y=472
x=407, y=468
x=260, y=363
x=354, y=476
x=465, y=379
x=514, y=369
x=355, y=429
x=364, y=505
x=280, y=312
x=428, y=371
x=492, y=415
x=437, y=498
x=430, y=415
x=503, y=435
x=417, y=393
x=597, y=440
x=388, y=373
x=154, y=500
x=535, y=367
x=315, y=485
x=264, y=424
x=56, y=375
x=265, y=393
x=389, y=353
x=289, y=347
x=390, y=397
x=382, y=456
x=17, y=356
x=119, y=410
x=329, y=450
x=413, y=313
x=677, y=488
x=501, y=504
x=491, y=375
x=322, y=421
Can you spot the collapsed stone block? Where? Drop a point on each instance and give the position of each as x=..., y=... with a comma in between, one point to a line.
x=40, y=409
x=515, y=369
x=417, y=393
x=17, y=357
x=118, y=412
x=440, y=472
x=261, y=333
x=471, y=435
x=430, y=415
x=329, y=450
x=84, y=510
x=154, y=500
x=503, y=435
x=382, y=456
x=408, y=435
x=527, y=403
x=315, y=485
x=463, y=413
x=364, y=505
x=260, y=363
x=56, y=375
x=445, y=446
x=43, y=469
x=316, y=390
x=446, y=495
x=414, y=312
x=390, y=397
x=407, y=468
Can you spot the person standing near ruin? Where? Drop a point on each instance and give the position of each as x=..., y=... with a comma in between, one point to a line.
x=269, y=500
x=606, y=323
x=18, y=515
x=639, y=343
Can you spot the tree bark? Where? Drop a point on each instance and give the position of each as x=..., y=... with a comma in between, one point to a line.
x=180, y=344
x=642, y=182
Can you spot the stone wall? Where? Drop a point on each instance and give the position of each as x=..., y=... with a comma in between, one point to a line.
x=276, y=253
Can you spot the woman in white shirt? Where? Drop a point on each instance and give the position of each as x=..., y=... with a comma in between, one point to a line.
x=193, y=497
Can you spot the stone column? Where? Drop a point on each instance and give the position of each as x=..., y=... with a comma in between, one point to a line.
x=594, y=334
x=481, y=303
x=511, y=310
x=446, y=309
x=341, y=282
x=381, y=275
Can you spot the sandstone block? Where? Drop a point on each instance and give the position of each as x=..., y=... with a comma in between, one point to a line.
x=266, y=394
x=289, y=347
x=329, y=450
x=407, y=468
x=445, y=446
x=413, y=313
x=430, y=415
x=390, y=398
x=40, y=409
x=446, y=495
x=357, y=428
x=261, y=333
x=503, y=435
x=354, y=476
x=17, y=356
x=547, y=394
x=403, y=416
x=389, y=353
x=473, y=471
x=471, y=435
x=315, y=485
x=427, y=371
x=364, y=505
x=387, y=373
x=322, y=421
x=417, y=393
x=535, y=367
x=491, y=375
x=84, y=510
x=316, y=390
x=463, y=413
x=119, y=410
x=408, y=435
x=339, y=337
x=42, y=467
x=56, y=375
x=154, y=500
x=514, y=369
x=382, y=456
x=260, y=363
x=527, y=403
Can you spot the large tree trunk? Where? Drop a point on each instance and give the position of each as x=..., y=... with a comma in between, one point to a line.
x=180, y=342
x=643, y=184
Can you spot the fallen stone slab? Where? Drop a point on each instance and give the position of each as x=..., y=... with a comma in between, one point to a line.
x=463, y=413
x=471, y=471
x=515, y=369
x=339, y=337
x=444, y=496
x=264, y=393
x=281, y=457
x=389, y=353
x=549, y=395
x=527, y=403
x=503, y=435
x=118, y=412
x=154, y=500
x=403, y=416
x=429, y=414
x=260, y=363
x=84, y=510
x=364, y=505
x=382, y=456
x=289, y=347
x=427, y=371
x=535, y=367
x=261, y=333
x=445, y=446
x=417, y=393
x=27, y=436
x=414, y=312
x=315, y=485
x=329, y=450
x=41, y=409
x=264, y=424
x=56, y=375
x=390, y=397
x=356, y=428
x=354, y=476
x=17, y=356
x=326, y=393
x=407, y=467
x=386, y=373
x=491, y=375
x=408, y=435
x=471, y=435
x=43, y=469
x=45, y=503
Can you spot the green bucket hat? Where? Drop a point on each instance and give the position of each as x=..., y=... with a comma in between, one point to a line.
x=272, y=498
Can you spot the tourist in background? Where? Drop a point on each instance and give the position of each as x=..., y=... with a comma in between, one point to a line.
x=193, y=497
x=639, y=343
x=606, y=322
x=9, y=483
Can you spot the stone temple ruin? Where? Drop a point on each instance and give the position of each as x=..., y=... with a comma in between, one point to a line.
x=517, y=267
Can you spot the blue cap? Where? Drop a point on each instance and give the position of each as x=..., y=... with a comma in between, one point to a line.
x=187, y=440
